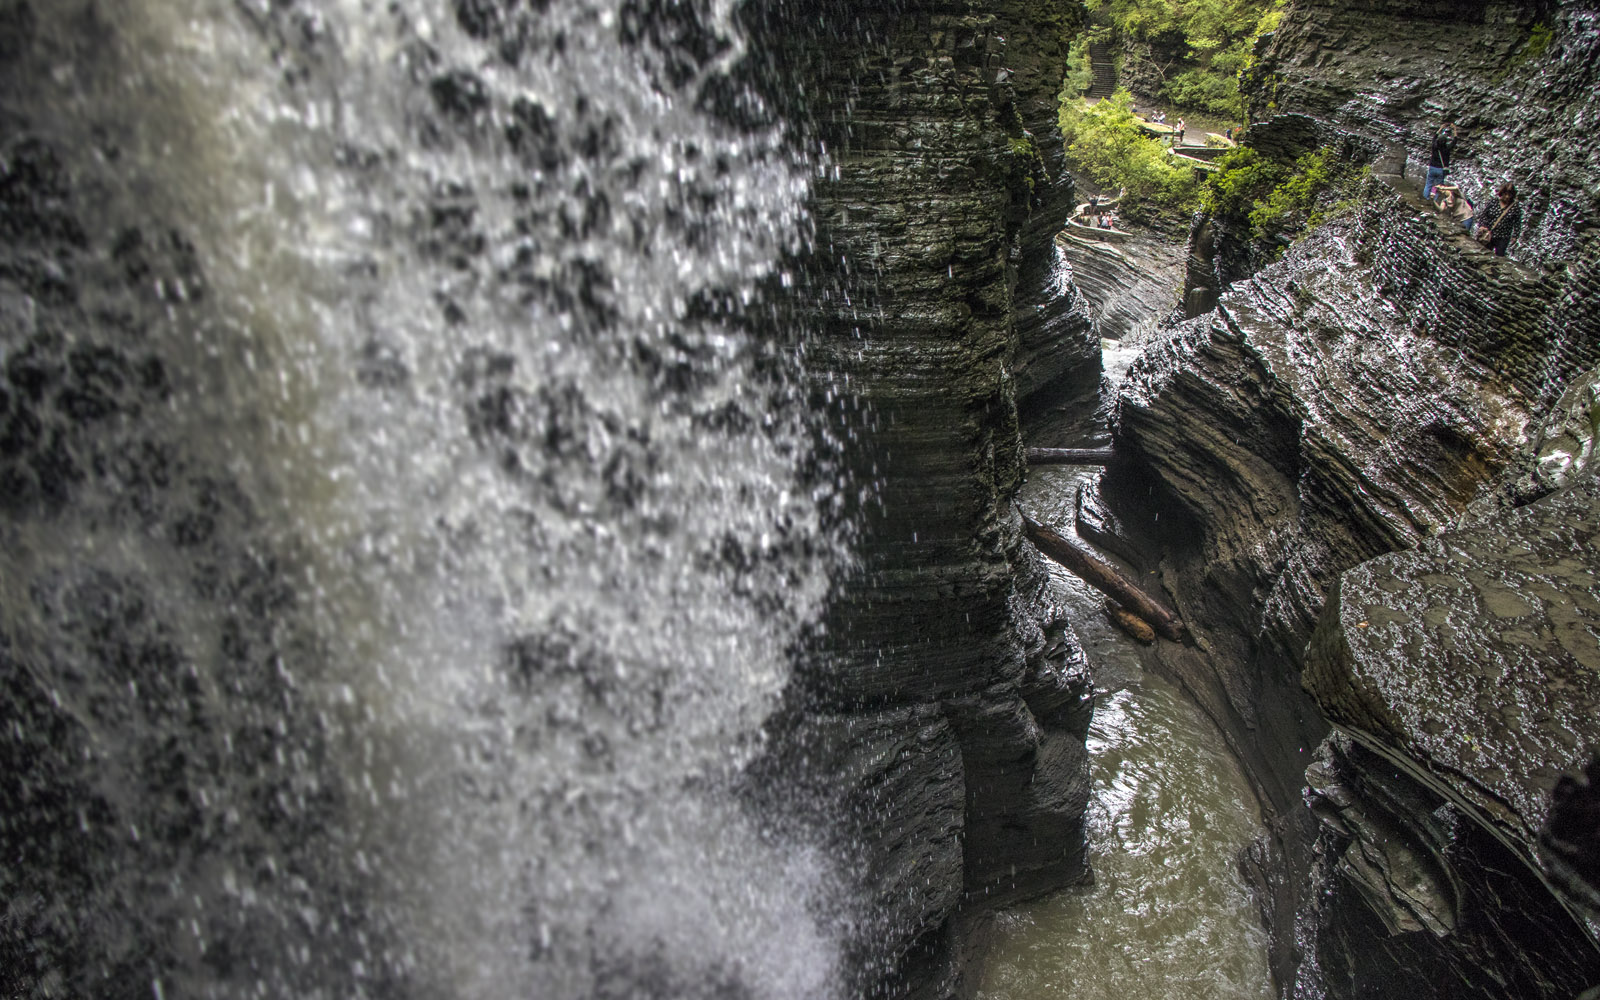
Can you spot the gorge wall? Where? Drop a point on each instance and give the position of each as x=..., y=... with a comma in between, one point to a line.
x=1387, y=386
x=945, y=708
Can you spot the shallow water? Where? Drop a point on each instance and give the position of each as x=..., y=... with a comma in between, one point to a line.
x=1167, y=914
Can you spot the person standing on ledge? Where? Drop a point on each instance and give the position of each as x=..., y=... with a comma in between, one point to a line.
x=1179, y=140
x=1499, y=220
x=1439, y=158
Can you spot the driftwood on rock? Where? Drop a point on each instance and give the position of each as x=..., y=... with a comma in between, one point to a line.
x=1069, y=456
x=1101, y=575
x=1130, y=623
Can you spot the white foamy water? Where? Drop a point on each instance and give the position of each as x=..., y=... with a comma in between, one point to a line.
x=480, y=522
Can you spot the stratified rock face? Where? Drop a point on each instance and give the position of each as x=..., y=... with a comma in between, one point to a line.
x=1469, y=670
x=1518, y=79
x=1126, y=283
x=1348, y=402
x=935, y=203
x=1386, y=381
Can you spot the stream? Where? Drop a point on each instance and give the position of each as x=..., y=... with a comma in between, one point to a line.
x=1166, y=913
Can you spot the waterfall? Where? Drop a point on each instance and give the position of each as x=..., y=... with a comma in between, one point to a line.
x=406, y=519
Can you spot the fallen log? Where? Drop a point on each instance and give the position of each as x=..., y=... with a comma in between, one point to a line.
x=1130, y=623
x=1104, y=577
x=1069, y=456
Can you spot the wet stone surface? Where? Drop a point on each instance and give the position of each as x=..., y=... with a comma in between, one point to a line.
x=1477, y=655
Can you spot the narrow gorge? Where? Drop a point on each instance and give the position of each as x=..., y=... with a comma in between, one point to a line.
x=521, y=498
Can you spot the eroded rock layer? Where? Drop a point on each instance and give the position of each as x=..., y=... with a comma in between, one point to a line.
x=1351, y=401
x=1385, y=382
x=1518, y=79
x=1469, y=670
x=940, y=190
x=1127, y=282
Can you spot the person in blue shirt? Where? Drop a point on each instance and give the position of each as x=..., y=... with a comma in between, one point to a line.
x=1439, y=158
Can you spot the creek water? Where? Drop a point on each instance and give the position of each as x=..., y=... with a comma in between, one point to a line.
x=1167, y=915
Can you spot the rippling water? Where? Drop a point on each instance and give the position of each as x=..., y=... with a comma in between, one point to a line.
x=1167, y=916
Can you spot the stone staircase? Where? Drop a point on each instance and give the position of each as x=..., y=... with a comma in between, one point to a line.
x=1104, y=71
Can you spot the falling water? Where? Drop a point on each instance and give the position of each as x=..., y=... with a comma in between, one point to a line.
x=405, y=535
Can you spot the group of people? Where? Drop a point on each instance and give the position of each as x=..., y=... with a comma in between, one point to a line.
x=1494, y=223
x=1099, y=215
x=1159, y=117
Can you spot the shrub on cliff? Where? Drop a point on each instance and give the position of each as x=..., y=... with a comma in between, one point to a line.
x=1212, y=41
x=1104, y=142
x=1243, y=177
x=1292, y=205
x=1277, y=201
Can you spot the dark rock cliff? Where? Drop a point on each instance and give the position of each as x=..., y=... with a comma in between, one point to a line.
x=1468, y=674
x=945, y=710
x=1384, y=385
x=1126, y=283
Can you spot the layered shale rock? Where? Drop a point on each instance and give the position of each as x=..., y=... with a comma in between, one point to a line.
x=1375, y=81
x=1518, y=79
x=1468, y=672
x=1350, y=401
x=1126, y=282
x=935, y=204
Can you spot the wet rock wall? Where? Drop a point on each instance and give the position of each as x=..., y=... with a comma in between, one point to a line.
x=943, y=671
x=1465, y=671
x=1518, y=79
x=1385, y=382
x=1126, y=283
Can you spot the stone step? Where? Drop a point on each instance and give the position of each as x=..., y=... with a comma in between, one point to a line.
x=1103, y=69
x=1104, y=80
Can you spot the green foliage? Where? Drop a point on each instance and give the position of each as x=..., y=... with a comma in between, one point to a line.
x=1270, y=18
x=1279, y=200
x=1291, y=201
x=1207, y=26
x=1205, y=90
x=1243, y=177
x=1539, y=38
x=1027, y=162
x=1080, y=74
x=1216, y=37
x=1105, y=143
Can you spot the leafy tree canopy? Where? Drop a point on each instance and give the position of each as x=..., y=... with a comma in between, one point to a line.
x=1104, y=141
x=1215, y=37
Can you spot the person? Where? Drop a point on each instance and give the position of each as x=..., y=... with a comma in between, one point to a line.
x=1455, y=205
x=1439, y=158
x=1178, y=141
x=1497, y=223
